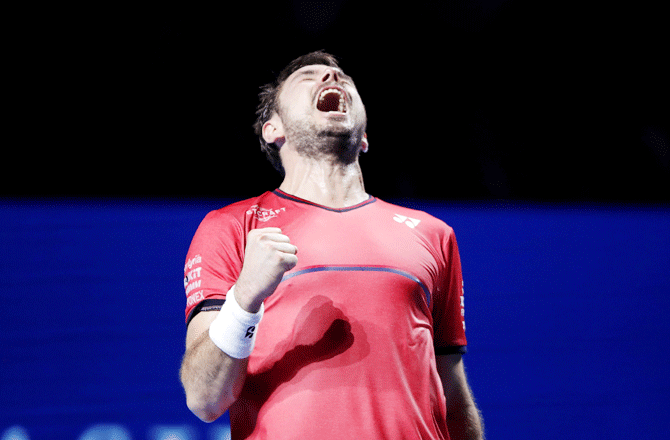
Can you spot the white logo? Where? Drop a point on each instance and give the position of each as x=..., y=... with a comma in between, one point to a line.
x=463, y=302
x=263, y=214
x=193, y=261
x=195, y=273
x=411, y=222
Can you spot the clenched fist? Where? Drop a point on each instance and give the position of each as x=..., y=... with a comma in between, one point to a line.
x=268, y=254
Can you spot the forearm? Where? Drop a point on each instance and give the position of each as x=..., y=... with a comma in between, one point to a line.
x=212, y=380
x=465, y=423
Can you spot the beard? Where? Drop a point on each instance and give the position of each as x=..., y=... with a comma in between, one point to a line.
x=333, y=142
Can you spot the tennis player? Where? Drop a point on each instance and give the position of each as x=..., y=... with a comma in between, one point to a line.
x=316, y=311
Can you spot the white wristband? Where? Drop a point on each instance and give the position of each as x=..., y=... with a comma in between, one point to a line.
x=234, y=329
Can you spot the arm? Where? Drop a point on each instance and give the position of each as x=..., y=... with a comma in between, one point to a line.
x=463, y=418
x=212, y=379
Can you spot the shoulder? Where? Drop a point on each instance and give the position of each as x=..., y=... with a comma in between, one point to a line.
x=223, y=231
x=231, y=219
x=235, y=212
x=416, y=219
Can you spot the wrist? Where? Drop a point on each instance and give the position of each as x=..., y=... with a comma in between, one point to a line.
x=234, y=329
x=249, y=303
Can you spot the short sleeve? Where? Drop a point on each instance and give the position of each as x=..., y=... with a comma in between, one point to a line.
x=213, y=262
x=448, y=310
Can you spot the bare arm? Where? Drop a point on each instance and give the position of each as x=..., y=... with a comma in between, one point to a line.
x=463, y=418
x=212, y=380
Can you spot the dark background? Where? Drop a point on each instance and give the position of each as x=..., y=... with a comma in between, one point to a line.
x=479, y=99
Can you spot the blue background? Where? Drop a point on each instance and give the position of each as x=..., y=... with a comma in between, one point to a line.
x=566, y=311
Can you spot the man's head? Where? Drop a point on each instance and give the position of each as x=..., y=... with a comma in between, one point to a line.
x=315, y=107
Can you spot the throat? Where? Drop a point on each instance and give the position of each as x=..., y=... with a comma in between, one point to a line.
x=332, y=185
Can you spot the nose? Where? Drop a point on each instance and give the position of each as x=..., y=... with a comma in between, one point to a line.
x=330, y=75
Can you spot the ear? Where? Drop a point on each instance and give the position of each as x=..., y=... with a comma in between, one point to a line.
x=273, y=131
x=364, y=143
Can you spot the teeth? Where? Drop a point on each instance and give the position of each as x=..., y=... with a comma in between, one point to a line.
x=342, y=102
x=325, y=92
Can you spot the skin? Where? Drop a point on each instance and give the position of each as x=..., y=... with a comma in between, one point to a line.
x=319, y=152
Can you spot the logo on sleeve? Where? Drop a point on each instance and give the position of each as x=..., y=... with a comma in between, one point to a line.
x=192, y=262
x=411, y=222
x=263, y=214
x=463, y=302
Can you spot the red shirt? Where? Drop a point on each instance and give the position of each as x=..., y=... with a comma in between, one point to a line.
x=346, y=347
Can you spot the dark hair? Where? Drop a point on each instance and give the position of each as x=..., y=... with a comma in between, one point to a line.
x=269, y=99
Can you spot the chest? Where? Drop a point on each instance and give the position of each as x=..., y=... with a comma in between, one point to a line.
x=361, y=240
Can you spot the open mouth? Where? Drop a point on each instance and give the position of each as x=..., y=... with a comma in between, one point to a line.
x=331, y=100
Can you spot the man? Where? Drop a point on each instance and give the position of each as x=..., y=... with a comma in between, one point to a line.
x=317, y=311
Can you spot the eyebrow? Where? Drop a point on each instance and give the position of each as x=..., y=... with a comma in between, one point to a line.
x=306, y=73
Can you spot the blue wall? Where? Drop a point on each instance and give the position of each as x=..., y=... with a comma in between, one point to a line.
x=566, y=310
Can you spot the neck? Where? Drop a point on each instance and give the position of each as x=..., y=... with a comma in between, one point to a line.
x=335, y=185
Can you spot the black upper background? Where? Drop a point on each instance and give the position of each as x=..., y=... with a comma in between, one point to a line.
x=497, y=99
